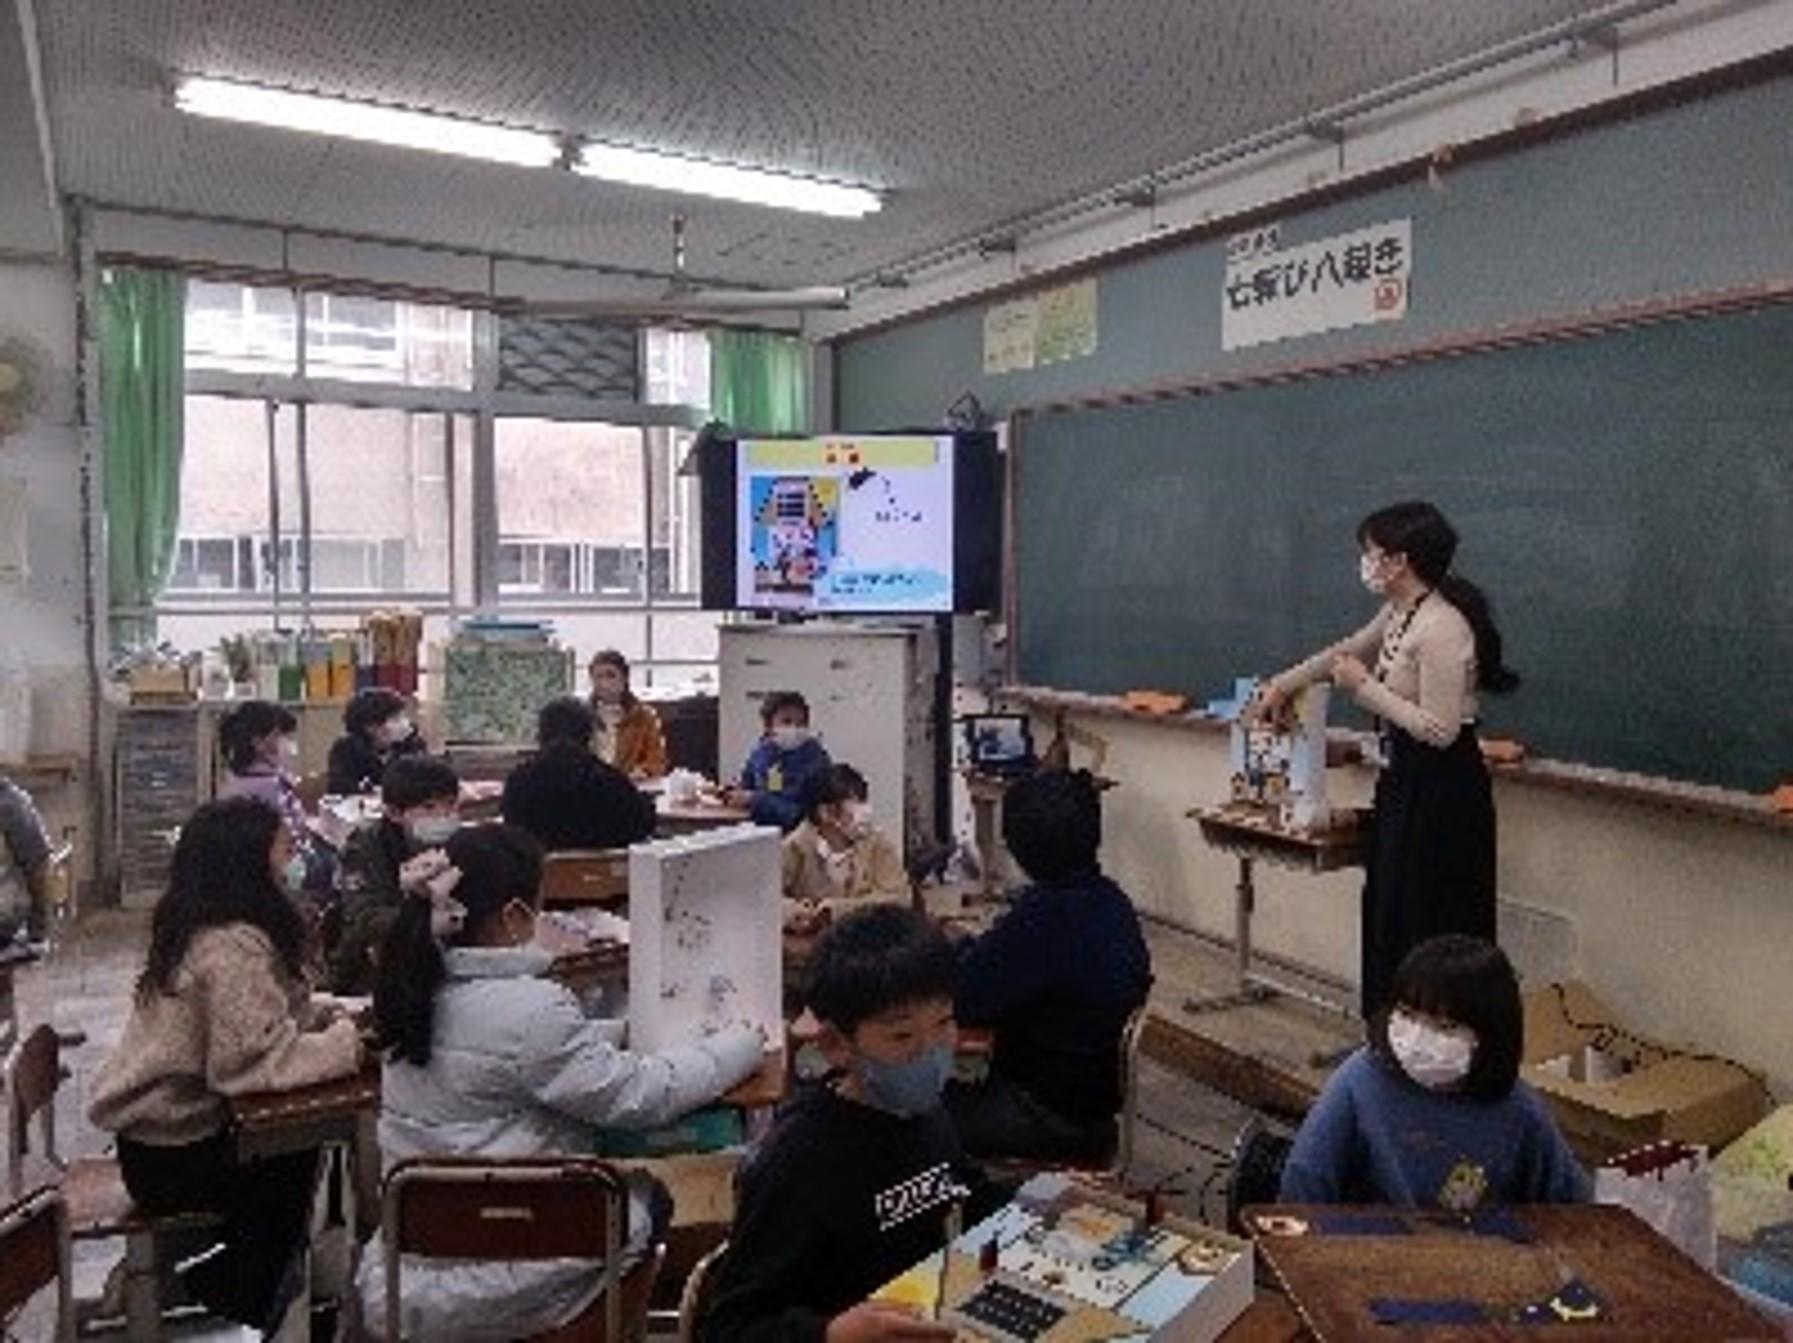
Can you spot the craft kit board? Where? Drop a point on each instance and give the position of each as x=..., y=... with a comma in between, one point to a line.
x=1283, y=768
x=1075, y=1265
x=705, y=949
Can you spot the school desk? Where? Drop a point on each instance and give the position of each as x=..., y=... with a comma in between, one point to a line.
x=1252, y=837
x=687, y=818
x=1350, y=1269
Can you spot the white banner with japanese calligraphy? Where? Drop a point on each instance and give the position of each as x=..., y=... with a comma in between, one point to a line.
x=1350, y=280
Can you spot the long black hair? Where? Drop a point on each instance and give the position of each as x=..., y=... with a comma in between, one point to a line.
x=498, y=864
x=1471, y=983
x=1419, y=531
x=241, y=730
x=610, y=657
x=221, y=875
x=830, y=787
x=370, y=707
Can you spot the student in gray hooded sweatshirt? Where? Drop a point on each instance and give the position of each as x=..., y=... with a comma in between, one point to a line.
x=486, y=1056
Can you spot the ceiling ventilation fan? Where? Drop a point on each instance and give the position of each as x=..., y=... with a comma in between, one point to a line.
x=685, y=297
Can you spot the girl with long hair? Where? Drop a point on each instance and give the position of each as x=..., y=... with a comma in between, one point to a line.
x=486, y=1055
x=223, y=1009
x=628, y=732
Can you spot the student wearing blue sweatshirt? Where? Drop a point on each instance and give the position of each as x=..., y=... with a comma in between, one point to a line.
x=1432, y=1113
x=773, y=778
x=1056, y=978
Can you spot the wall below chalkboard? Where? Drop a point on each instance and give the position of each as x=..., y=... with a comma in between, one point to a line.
x=1625, y=496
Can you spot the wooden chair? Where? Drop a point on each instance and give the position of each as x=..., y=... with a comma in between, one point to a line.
x=96, y=1203
x=59, y=893
x=1260, y=1152
x=518, y=1209
x=691, y=1300
x=34, y=1252
x=581, y=878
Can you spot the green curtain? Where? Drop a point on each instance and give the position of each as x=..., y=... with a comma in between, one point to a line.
x=759, y=382
x=142, y=389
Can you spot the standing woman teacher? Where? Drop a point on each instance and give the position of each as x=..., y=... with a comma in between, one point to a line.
x=1435, y=646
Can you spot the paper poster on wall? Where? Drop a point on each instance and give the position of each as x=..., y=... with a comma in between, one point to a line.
x=14, y=553
x=1009, y=335
x=1350, y=280
x=1066, y=326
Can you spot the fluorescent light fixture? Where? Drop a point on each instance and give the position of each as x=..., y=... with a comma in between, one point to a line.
x=263, y=106
x=698, y=177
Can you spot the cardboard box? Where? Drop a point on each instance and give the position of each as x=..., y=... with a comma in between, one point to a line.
x=1613, y=1089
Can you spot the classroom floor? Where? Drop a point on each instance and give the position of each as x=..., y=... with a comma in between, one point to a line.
x=1184, y=1129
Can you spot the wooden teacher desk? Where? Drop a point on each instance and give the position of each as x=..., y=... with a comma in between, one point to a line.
x=1252, y=837
x=1344, y=1267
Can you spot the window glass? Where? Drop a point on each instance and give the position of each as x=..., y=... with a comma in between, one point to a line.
x=238, y=329
x=380, y=498
x=362, y=339
x=571, y=510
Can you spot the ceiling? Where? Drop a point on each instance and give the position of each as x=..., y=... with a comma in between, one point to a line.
x=968, y=112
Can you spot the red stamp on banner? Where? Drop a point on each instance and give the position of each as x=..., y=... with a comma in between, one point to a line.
x=1390, y=295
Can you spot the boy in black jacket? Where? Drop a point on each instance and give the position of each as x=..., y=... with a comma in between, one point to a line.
x=420, y=802
x=1057, y=978
x=568, y=798
x=855, y=1182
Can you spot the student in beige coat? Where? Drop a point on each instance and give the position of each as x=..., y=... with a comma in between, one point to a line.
x=837, y=860
x=223, y=1009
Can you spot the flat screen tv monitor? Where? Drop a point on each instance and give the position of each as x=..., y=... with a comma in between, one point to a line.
x=851, y=524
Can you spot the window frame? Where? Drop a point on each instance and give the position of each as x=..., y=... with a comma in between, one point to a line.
x=477, y=409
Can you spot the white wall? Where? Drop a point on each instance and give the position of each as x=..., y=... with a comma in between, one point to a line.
x=41, y=625
x=1682, y=923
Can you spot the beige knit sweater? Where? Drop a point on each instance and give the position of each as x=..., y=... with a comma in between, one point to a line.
x=235, y=1023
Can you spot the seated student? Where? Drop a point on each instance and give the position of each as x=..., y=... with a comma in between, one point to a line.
x=420, y=810
x=257, y=743
x=486, y=1056
x=1431, y=1113
x=377, y=730
x=24, y=864
x=1057, y=978
x=855, y=1181
x=836, y=859
x=222, y=1009
x=772, y=780
x=628, y=734
x=565, y=796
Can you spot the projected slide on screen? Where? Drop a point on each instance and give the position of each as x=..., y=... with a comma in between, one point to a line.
x=845, y=524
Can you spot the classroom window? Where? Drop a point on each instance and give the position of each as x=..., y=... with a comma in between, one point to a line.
x=236, y=328
x=571, y=514
x=360, y=339
x=333, y=509
x=381, y=498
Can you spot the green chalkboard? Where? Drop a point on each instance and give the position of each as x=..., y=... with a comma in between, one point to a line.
x=1625, y=498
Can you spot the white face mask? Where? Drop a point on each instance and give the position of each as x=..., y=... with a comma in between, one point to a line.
x=1371, y=571
x=1437, y=1059
x=395, y=730
x=788, y=738
x=430, y=832
x=859, y=818
x=288, y=751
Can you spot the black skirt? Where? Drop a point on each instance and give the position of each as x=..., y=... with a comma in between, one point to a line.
x=1430, y=860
